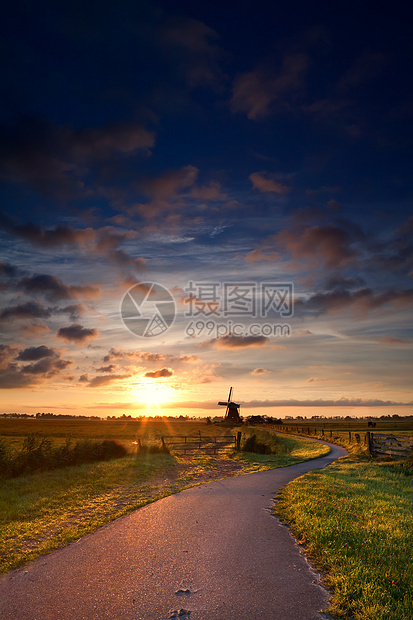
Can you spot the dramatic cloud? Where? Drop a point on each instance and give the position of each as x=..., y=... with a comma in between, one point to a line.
x=36, y=310
x=330, y=245
x=48, y=238
x=102, y=380
x=164, y=191
x=141, y=356
x=157, y=374
x=210, y=192
x=13, y=378
x=73, y=311
x=8, y=271
x=77, y=333
x=260, y=371
x=7, y=353
x=49, y=367
x=256, y=256
x=260, y=92
x=27, y=310
x=56, y=160
x=396, y=254
x=239, y=342
x=193, y=44
x=103, y=241
x=109, y=368
x=265, y=183
x=192, y=359
x=32, y=354
x=54, y=289
x=47, y=363
x=34, y=330
x=360, y=302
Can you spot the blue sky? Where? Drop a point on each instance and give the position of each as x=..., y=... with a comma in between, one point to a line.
x=149, y=143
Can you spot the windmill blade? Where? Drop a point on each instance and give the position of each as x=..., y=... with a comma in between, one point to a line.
x=230, y=394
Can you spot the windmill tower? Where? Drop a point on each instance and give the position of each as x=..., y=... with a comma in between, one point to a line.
x=232, y=411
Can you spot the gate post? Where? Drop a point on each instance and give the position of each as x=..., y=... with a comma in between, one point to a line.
x=368, y=437
x=238, y=441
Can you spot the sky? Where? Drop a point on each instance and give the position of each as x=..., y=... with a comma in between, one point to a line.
x=195, y=197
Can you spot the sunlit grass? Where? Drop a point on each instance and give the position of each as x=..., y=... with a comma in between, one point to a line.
x=356, y=519
x=287, y=450
x=46, y=510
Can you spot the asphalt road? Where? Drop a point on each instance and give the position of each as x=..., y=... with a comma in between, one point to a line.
x=213, y=552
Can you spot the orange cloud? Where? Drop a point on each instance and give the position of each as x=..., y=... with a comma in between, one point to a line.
x=168, y=185
x=239, y=342
x=327, y=244
x=264, y=183
x=260, y=371
x=257, y=255
x=390, y=340
x=157, y=374
x=257, y=92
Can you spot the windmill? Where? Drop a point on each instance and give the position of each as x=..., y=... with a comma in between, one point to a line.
x=232, y=411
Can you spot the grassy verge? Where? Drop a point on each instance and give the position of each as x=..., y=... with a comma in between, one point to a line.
x=47, y=510
x=356, y=521
x=286, y=450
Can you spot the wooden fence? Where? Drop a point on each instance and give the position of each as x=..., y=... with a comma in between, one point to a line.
x=390, y=445
x=193, y=443
x=322, y=433
x=378, y=444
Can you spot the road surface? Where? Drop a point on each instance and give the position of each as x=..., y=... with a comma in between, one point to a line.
x=213, y=552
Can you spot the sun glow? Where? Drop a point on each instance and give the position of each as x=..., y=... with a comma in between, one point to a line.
x=154, y=395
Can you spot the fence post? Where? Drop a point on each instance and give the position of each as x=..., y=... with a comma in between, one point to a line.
x=369, y=438
x=238, y=441
x=349, y=436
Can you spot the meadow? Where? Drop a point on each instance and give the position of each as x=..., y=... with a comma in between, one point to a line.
x=48, y=509
x=355, y=520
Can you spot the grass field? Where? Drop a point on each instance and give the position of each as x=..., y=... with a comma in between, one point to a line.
x=46, y=510
x=355, y=518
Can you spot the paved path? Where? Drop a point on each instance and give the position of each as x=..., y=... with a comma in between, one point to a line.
x=214, y=551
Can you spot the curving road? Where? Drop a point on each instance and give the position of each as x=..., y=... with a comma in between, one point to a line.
x=213, y=552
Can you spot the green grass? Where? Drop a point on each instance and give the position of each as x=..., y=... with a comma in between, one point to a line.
x=287, y=450
x=102, y=429
x=46, y=510
x=356, y=521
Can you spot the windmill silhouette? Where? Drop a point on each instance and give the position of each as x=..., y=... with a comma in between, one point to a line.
x=232, y=410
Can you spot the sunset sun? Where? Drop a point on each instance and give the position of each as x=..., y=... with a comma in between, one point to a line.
x=154, y=395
